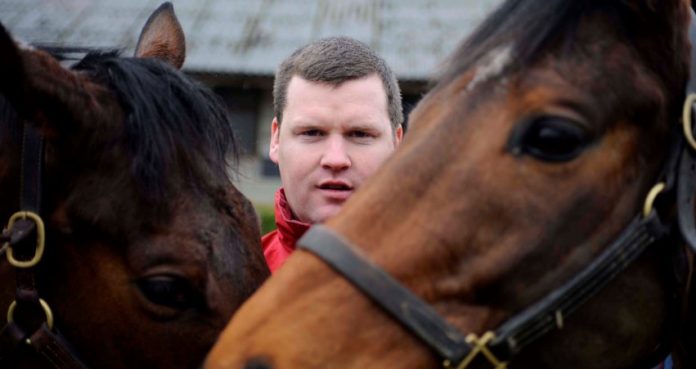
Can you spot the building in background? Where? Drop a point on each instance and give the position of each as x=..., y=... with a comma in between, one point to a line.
x=234, y=46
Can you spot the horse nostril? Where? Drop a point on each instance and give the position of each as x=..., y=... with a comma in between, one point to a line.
x=258, y=363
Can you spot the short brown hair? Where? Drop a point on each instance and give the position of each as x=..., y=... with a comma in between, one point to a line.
x=336, y=60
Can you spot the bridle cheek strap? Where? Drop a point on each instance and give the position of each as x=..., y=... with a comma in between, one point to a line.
x=51, y=346
x=24, y=241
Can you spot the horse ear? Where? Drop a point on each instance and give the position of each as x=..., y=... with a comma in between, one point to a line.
x=53, y=98
x=11, y=68
x=162, y=37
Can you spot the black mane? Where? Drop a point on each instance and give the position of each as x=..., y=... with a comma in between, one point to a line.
x=173, y=124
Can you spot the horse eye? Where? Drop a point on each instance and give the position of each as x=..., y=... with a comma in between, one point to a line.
x=552, y=139
x=170, y=291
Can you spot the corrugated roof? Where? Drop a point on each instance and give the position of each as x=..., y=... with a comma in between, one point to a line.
x=253, y=36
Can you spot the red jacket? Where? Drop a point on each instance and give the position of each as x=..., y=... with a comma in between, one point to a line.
x=279, y=244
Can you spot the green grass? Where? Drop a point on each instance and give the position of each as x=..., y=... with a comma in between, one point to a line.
x=267, y=217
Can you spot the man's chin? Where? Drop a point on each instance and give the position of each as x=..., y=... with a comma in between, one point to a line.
x=326, y=212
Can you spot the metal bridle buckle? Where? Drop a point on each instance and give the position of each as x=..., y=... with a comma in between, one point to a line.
x=44, y=305
x=40, y=240
x=650, y=198
x=686, y=119
x=479, y=346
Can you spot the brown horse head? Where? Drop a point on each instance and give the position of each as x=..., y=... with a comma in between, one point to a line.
x=150, y=248
x=532, y=153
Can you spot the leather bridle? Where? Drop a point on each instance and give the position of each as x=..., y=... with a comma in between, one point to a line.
x=677, y=183
x=30, y=327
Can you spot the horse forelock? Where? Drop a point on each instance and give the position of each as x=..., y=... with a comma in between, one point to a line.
x=530, y=30
x=174, y=128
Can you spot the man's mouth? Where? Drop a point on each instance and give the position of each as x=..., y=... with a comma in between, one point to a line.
x=335, y=187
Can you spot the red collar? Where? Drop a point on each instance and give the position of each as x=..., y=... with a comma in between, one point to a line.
x=289, y=228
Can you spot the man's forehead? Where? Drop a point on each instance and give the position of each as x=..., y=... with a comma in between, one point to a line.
x=370, y=81
x=355, y=104
x=367, y=91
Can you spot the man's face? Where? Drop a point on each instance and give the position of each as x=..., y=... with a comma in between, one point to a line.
x=330, y=140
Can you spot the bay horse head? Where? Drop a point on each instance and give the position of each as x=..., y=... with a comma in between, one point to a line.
x=148, y=248
x=524, y=185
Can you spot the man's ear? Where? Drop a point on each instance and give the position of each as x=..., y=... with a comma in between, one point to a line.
x=398, y=135
x=275, y=141
x=162, y=37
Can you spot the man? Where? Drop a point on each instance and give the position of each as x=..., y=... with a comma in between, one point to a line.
x=337, y=117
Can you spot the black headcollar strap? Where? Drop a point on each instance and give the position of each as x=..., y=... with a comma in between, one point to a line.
x=29, y=330
x=498, y=347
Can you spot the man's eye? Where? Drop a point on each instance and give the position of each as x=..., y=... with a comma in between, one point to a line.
x=360, y=134
x=311, y=133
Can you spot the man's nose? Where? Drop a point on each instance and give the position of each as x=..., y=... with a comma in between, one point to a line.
x=336, y=154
